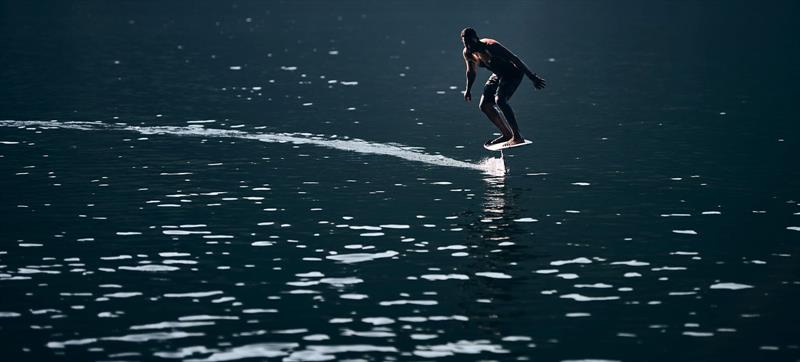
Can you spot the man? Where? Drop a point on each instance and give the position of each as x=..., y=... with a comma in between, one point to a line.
x=508, y=71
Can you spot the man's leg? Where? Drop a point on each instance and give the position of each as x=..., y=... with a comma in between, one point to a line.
x=487, y=105
x=506, y=88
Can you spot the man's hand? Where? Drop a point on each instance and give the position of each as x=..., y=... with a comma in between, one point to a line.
x=538, y=82
x=467, y=96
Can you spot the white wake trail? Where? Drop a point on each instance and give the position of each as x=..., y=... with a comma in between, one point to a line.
x=340, y=143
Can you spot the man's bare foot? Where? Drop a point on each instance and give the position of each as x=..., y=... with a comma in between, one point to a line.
x=497, y=140
x=516, y=140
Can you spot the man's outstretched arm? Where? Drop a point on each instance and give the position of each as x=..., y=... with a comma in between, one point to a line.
x=538, y=82
x=470, y=76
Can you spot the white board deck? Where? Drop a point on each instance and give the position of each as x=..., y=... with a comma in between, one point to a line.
x=499, y=146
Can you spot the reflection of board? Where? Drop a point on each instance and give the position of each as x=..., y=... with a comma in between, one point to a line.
x=499, y=146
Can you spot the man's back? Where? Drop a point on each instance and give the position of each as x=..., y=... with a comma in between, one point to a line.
x=492, y=57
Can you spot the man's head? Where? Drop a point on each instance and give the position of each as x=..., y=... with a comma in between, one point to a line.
x=469, y=37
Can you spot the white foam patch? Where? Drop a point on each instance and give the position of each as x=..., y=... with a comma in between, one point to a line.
x=494, y=275
x=313, y=274
x=193, y=294
x=172, y=254
x=262, y=350
x=730, y=286
x=327, y=352
x=631, y=263
x=361, y=257
x=149, y=268
x=583, y=298
x=353, y=296
x=435, y=277
x=123, y=295
x=580, y=260
x=409, y=153
x=156, y=336
x=461, y=347
x=339, y=282
x=406, y=302
x=183, y=232
x=698, y=334
x=595, y=285
x=395, y=226
x=72, y=342
x=206, y=317
x=377, y=320
x=128, y=233
x=493, y=166
x=171, y=325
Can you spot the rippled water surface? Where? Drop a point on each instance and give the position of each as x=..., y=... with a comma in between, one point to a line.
x=303, y=181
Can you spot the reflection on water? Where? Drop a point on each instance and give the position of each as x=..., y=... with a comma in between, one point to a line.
x=190, y=224
x=262, y=259
x=496, y=195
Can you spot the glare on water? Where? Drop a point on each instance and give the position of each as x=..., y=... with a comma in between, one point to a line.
x=305, y=182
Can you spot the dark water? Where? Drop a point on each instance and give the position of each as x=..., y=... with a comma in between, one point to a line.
x=302, y=181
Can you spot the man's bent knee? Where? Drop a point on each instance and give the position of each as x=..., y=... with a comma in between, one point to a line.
x=486, y=106
x=501, y=101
